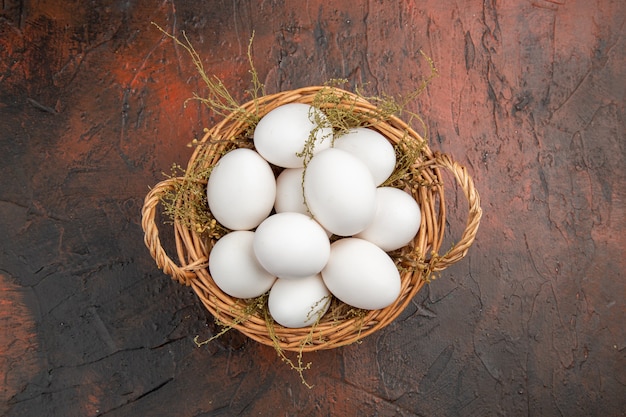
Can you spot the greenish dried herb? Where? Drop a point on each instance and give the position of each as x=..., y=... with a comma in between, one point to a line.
x=186, y=203
x=242, y=310
x=218, y=98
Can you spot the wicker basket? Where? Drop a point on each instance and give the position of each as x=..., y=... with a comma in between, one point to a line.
x=193, y=248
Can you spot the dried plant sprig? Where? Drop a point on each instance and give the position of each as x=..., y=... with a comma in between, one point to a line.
x=408, y=153
x=258, y=88
x=218, y=98
x=317, y=311
x=251, y=307
x=397, y=105
x=186, y=202
x=299, y=366
x=322, y=130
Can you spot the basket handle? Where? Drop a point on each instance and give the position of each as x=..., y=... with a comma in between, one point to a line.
x=151, y=233
x=459, y=250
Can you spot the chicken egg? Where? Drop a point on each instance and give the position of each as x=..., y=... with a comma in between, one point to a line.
x=289, y=193
x=291, y=245
x=298, y=303
x=281, y=135
x=241, y=189
x=340, y=192
x=396, y=222
x=372, y=148
x=235, y=269
x=361, y=274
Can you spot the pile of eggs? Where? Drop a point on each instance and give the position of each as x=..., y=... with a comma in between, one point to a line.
x=281, y=226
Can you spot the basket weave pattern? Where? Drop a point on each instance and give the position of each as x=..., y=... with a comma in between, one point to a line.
x=417, y=260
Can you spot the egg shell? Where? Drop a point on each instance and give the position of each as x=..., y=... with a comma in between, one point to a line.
x=298, y=303
x=241, y=189
x=281, y=135
x=372, y=148
x=290, y=194
x=289, y=191
x=361, y=274
x=340, y=192
x=291, y=245
x=235, y=269
x=396, y=222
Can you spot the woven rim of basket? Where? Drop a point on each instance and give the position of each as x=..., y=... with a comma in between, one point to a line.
x=193, y=250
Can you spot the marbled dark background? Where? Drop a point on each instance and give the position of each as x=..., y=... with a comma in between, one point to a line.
x=530, y=97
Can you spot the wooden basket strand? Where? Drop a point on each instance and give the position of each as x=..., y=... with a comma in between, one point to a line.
x=183, y=275
x=466, y=183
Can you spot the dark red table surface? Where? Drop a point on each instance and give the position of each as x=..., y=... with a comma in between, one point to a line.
x=530, y=97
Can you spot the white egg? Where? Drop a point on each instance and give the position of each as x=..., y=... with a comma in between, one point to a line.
x=235, y=269
x=396, y=222
x=291, y=245
x=289, y=191
x=372, y=148
x=281, y=135
x=298, y=303
x=361, y=274
x=241, y=189
x=340, y=192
